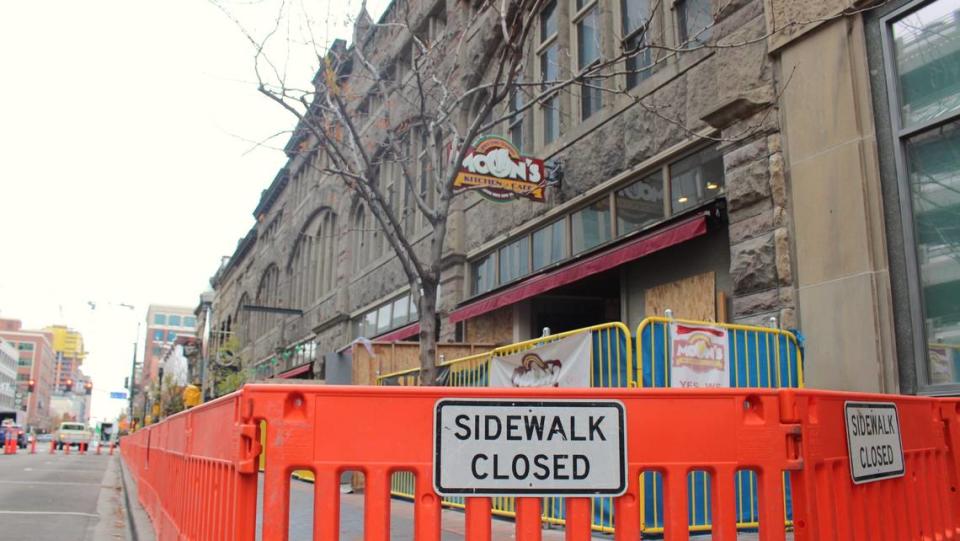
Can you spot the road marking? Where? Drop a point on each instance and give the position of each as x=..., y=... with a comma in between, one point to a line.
x=69, y=513
x=46, y=483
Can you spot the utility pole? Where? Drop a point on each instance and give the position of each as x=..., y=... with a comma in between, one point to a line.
x=133, y=374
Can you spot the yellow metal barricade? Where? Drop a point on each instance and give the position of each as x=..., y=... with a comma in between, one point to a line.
x=759, y=357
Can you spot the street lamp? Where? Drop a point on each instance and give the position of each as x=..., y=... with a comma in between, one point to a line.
x=160, y=366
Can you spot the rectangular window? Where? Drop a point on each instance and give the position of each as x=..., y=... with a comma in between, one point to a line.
x=401, y=311
x=515, y=124
x=25, y=346
x=548, y=21
x=384, y=319
x=190, y=321
x=696, y=179
x=171, y=336
x=484, y=274
x=548, y=64
x=588, y=53
x=640, y=204
x=158, y=335
x=514, y=260
x=159, y=319
x=173, y=321
x=549, y=244
x=370, y=324
x=636, y=26
x=157, y=351
x=591, y=225
x=695, y=21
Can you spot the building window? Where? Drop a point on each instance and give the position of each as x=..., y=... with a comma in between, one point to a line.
x=25, y=346
x=158, y=335
x=636, y=17
x=514, y=260
x=159, y=319
x=922, y=42
x=695, y=22
x=515, y=124
x=696, y=179
x=590, y=226
x=171, y=336
x=157, y=351
x=361, y=239
x=173, y=321
x=548, y=61
x=549, y=244
x=484, y=273
x=587, y=23
x=640, y=204
x=190, y=321
x=385, y=317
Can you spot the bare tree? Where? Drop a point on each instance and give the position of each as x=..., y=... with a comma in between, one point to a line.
x=411, y=94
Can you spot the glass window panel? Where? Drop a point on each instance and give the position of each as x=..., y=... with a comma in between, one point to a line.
x=640, y=204
x=695, y=21
x=551, y=120
x=384, y=320
x=158, y=336
x=548, y=20
x=514, y=260
x=413, y=307
x=484, y=274
x=174, y=321
x=171, y=336
x=549, y=245
x=927, y=55
x=189, y=321
x=588, y=39
x=635, y=14
x=549, y=67
x=696, y=179
x=159, y=319
x=591, y=225
x=640, y=62
x=401, y=311
x=370, y=324
x=934, y=173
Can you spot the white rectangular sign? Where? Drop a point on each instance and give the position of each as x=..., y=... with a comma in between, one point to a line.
x=873, y=441
x=560, y=363
x=700, y=356
x=518, y=447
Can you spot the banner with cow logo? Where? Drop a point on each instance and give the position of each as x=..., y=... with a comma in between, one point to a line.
x=699, y=356
x=561, y=363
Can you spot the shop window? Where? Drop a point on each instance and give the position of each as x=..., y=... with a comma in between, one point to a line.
x=640, y=204
x=696, y=179
x=159, y=319
x=636, y=27
x=484, y=274
x=587, y=22
x=695, y=22
x=549, y=245
x=384, y=319
x=174, y=321
x=591, y=226
x=514, y=260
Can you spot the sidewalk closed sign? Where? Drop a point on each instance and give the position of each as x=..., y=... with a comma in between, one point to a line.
x=517, y=447
x=873, y=441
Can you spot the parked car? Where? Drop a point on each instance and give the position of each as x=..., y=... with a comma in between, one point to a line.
x=44, y=438
x=17, y=430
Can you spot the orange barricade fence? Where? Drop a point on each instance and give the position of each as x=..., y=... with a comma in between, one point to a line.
x=198, y=478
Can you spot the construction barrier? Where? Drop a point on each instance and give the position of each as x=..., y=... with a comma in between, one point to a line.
x=197, y=472
x=759, y=357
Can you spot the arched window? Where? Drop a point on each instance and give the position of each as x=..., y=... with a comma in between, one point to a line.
x=360, y=239
x=242, y=321
x=268, y=294
x=312, y=268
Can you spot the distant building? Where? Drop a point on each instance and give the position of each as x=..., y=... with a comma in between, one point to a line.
x=8, y=377
x=164, y=325
x=35, y=361
x=69, y=351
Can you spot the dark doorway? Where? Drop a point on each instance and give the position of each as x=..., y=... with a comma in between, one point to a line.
x=591, y=301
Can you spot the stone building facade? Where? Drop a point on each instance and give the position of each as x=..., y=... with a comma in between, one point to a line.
x=731, y=173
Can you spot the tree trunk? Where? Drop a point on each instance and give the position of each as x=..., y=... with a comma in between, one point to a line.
x=428, y=334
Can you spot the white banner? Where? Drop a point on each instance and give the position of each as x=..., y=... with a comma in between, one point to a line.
x=699, y=356
x=561, y=363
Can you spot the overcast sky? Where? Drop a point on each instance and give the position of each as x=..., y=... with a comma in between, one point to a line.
x=128, y=163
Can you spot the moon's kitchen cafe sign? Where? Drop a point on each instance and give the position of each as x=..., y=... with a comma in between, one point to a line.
x=495, y=167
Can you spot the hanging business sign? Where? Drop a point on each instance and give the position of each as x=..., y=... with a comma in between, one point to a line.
x=560, y=363
x=699, y=356
x=529, y=447
x=495, y=168
x=873, y=441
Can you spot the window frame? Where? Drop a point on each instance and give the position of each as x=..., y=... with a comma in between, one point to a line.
x=579, y=15
x=543, y=44
x=645, y=30
x=899, y=136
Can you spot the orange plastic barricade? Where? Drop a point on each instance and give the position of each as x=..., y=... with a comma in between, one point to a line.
x=198, y=477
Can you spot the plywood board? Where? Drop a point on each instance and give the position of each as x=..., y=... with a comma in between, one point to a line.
x=688, y=298
x=390, y=357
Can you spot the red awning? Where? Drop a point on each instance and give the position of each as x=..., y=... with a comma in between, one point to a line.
x=294, y=372
x=400, y=334
x=646, y=244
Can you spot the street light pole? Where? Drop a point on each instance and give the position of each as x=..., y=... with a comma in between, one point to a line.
x=133, y=374
x=160, y=392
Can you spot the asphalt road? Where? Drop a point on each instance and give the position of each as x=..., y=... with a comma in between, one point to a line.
x=47, y=497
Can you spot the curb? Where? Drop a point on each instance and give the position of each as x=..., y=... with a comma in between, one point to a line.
x=137, y=522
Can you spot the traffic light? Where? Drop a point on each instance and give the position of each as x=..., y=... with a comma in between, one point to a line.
x=30, y=385
x=68, y=386
x=87, y=387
